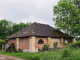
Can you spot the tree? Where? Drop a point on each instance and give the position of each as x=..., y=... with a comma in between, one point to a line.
x=67, y=18
x=3, y=28
x=7, y=28
x=17, y=27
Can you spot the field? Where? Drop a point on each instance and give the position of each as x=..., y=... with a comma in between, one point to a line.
x=65, y=54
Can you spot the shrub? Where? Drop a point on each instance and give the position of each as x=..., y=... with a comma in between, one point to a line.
x=1, y=43
x=75, y=44
x=66, y=52
x=19, y=50
x=45, y=48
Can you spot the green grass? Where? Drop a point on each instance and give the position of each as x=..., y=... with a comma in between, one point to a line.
x=71, y=55
x=67, y=53
x=39, y=56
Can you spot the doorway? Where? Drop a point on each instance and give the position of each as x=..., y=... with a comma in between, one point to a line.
x=55, y=44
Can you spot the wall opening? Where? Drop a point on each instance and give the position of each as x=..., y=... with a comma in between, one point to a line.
x=66, y=42
x=40, y=41
x=55, y=44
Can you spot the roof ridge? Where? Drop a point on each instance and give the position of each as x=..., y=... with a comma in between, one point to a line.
x=40, y=23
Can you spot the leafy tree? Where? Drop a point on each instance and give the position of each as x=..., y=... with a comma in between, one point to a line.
x=7, y=28
x=3, y=28
x=20, y=26
x=67, y=18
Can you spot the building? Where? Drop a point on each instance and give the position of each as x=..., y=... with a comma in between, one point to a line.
x=33, y=37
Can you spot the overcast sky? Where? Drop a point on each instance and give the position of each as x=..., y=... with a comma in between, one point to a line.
x=17, y=11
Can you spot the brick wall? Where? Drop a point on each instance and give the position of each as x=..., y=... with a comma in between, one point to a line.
x=24, y=43
x=39, y=46
x=13, y=41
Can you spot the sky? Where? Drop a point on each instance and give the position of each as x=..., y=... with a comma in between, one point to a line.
x=24, y=11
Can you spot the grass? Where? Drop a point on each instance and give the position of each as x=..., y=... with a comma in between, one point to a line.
x=38, y=56
x=52, y=55
x=65, y=54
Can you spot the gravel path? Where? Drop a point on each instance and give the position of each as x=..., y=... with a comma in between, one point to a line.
x=4, y=57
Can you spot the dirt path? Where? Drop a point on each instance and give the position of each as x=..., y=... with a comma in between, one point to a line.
x=4, y=57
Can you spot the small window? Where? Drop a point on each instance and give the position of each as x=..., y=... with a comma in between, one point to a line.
x=40, y=41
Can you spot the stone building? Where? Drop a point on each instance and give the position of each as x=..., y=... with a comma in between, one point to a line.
x=33, y=37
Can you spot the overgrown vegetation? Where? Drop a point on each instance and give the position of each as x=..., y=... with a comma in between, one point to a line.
x=68, y=53
x=1, y=43
x=45, y=48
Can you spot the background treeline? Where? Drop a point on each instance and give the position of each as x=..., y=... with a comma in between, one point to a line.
x=8, y=27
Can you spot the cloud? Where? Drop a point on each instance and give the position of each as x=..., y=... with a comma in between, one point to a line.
x=28, y=11
x=33, y=18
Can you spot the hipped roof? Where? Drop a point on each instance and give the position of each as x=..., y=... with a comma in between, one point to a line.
x=38, y=29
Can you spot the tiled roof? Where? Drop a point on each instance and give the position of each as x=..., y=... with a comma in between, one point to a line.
x=38, y=29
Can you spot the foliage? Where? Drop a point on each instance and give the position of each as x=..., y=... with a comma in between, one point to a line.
x=75, y=45
x=66, y=52
x=77, y=38
x=67, y=18
x=45, y=48
x=7, y=28
x=20, y=26
x=54, y=43
x=19, y=50
x=1, y=43
x=3, y=28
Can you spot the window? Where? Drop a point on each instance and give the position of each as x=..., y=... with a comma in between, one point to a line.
x=40, y=41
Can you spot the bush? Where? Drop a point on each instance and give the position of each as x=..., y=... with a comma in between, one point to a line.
x=19, y=50
x=66, y=52
x=45, y=48
x=75, y=44
x=1, y=43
